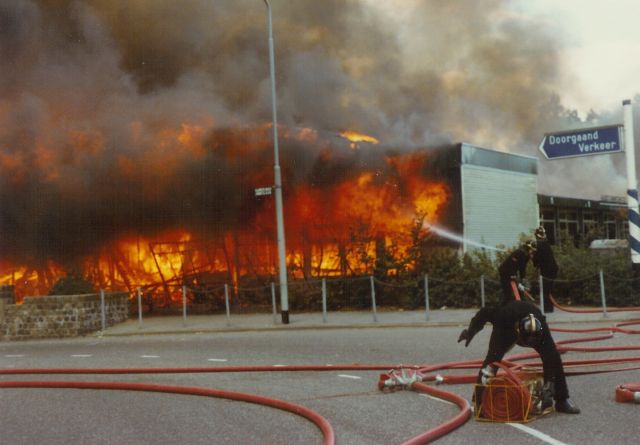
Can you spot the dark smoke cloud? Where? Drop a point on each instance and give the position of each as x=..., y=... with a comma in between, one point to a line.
x=95, y=96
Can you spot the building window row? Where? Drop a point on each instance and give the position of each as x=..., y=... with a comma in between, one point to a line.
x=584, y=224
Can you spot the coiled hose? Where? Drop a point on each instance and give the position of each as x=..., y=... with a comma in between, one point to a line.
x=506, y=398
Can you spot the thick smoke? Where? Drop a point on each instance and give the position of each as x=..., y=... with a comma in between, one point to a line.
x=133, y=116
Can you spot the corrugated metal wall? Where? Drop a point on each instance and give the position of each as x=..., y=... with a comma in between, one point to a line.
x=497, y=205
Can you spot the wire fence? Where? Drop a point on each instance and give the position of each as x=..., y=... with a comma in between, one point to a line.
x=368, y=293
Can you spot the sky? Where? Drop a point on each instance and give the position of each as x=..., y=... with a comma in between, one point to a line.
x=583, y=51
x=599, y=47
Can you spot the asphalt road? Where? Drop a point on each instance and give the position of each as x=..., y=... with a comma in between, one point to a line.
x=359, y=413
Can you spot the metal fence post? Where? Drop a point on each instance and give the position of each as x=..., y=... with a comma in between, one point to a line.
x=184, y=305
x=324, y=300
x=102, y=309
x=226, y=303
x=482, y=290
x=139, y=293
x=426, y=297
x=273, y=302
x=373, y=298
x=602, y=295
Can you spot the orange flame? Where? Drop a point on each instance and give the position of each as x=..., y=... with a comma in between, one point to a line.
x=332, y=229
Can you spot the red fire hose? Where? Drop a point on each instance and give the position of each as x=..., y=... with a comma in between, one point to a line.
x=317, y=419
x=628, y=393
x=624, y=393
x=506, y=398
x=446, y=427
x=593, y=310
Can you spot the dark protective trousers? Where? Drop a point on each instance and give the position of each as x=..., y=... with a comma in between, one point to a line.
x=547, y=290
x=502, y=340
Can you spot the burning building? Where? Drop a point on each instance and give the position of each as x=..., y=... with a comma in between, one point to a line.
x=132, y=136
x=349, y=202
x=344, y=198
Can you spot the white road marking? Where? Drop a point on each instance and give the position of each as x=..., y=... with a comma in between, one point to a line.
x=542, y=436
x=14, y=355
x=81, y=355
x=149, y=356
x=216, y=359
x=278, y=366
x=347, y=376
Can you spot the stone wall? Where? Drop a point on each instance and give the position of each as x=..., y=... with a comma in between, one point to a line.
x=58, y=316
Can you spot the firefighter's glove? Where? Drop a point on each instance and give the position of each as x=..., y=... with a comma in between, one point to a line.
x=466, y=336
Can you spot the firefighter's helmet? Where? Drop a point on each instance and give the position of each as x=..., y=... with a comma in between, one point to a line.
x=529, y=331
x=540, y=233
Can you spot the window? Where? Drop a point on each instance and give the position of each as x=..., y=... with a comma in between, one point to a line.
x=610, y=231
x=568, y=223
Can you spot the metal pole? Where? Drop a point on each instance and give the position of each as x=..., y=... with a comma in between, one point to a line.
x=282, y=263
x=273, y=302
x=139, y=293
x=226, y=303
x=184, y=305
x=482, y=290
x=426, y=297
x=373, y=298
x=602, y=295
x=102, y=308
x=632, y=185
x=324, y=300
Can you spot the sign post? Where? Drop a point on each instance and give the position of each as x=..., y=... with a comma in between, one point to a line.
x=632, y=186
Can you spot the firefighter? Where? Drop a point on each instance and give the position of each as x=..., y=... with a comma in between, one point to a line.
x=544, y=260
x=514, y=267
x=522, y=323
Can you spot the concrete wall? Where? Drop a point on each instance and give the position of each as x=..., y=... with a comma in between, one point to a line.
x=59, y=316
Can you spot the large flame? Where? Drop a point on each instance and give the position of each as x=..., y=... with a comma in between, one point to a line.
x=335, y=225
x=354, y=137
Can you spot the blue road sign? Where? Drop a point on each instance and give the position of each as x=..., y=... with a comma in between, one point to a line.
x=587, y=141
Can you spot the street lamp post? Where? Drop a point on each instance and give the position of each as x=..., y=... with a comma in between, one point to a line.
x=282, y=262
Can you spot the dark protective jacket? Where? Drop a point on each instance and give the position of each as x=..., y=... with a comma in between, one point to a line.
x=515, y=264
x=504, y=336
x=544, y=260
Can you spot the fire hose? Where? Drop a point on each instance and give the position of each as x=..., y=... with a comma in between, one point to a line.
x=413, y=377
x=317, y=419
x=511, y=403
x=593, y=310
x=628, y=393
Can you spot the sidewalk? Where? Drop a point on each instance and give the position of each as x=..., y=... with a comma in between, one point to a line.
x=334, y=320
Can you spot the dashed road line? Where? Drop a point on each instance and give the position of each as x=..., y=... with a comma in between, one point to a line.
x=81, y=355
x=348, y=376
x=14, y=355
x=216, y=359
x=149, y=356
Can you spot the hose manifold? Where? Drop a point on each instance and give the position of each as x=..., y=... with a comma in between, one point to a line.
x=398, y=379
